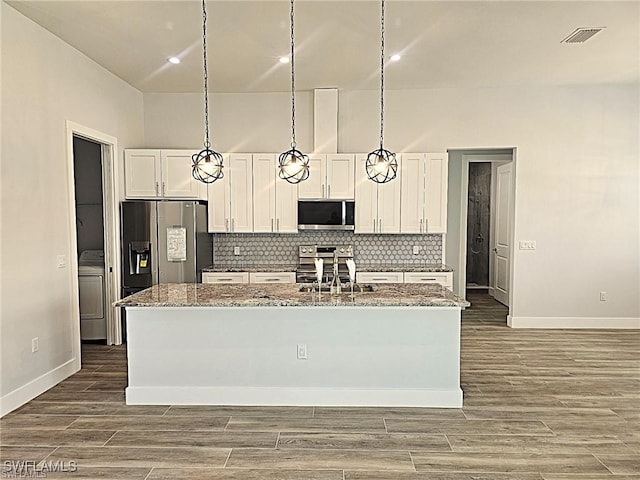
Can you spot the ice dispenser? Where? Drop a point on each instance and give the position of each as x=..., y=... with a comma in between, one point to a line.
x=139, y=258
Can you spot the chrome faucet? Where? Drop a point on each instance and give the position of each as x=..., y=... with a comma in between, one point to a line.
x=336, y=287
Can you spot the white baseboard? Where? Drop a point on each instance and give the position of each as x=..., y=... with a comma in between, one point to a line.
x=294, y=396
x=574, y=322
x=31, y=390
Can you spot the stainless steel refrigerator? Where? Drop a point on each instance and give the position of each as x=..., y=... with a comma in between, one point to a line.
x=163, y=242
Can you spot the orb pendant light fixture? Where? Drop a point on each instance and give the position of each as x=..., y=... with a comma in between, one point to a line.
x=293, y=165
x=381, y=164
x=207, y=164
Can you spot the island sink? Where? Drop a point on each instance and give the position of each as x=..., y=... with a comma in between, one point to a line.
x=345, y=288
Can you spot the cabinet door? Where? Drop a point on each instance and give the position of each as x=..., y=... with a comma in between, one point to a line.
x=177, y=180
x=264, y=193
x=413, y=193
x=314, y=186
x=142, y=173
x=226, y=277
x=272, y=277
x=436, y=192
x=241, y=192
x=218, y=205
x=389, y=205
x=366, y=200
x=340, y=176
x=379, y=277
x=443, y=278
x=286, y=207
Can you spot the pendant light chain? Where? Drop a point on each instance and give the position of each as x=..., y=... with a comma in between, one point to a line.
x=293, y=165
x=207, y=166
x=381, y=165
x=207, y=144
x=382, y=75
x=293, y=82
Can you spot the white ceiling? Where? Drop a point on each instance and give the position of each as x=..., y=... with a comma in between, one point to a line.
x=444, y=43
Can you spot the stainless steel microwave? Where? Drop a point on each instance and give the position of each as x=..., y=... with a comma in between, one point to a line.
x=326, y=214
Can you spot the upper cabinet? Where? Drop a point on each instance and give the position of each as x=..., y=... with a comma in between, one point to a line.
x=153, y=174
x=330, y=176
x=377, y=205
x=424, y=193
x=231, y=197
x=275, y=201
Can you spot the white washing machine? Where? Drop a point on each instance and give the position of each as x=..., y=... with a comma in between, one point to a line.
x=91, y=283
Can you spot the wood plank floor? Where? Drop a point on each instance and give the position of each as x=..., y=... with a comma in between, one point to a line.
x=539, y=405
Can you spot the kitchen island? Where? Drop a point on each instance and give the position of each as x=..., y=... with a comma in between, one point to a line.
x=212, y=344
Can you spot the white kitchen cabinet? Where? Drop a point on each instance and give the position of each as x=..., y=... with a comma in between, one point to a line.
x=156, y=174
x=377, y=205
x=275, y=201
x=379, y=277
x=230, y=208
x=424, y=193
x=443, y=278
x=272, y=277
x=225, y=277
x=331, y=176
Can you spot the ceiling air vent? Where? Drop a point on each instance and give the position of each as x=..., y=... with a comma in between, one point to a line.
x=581, y=35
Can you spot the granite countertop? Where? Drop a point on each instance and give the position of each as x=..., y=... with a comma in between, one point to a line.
x=289, y=295
x=387, y=267
x=252, y=268
x=404, y=267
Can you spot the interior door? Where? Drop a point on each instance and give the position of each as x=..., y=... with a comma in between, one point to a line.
x=501, y=233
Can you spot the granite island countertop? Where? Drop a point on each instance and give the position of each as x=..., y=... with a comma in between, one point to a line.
x=289, y=295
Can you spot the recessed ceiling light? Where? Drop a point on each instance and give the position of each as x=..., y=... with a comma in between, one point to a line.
x=174, y=60
x=284, y=59
x=395, y=57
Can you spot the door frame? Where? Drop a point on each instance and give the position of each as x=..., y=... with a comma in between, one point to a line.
x=110, y=182
x=500, y=158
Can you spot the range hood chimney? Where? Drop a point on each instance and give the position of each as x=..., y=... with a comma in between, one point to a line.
x=325, y=120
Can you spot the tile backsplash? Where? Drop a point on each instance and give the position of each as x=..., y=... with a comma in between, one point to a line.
x=282, y=249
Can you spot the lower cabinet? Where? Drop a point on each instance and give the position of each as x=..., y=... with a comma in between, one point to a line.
x=248, y=277
x=443, y=278
x=225, y=277
x=272, y=277
x=379, y=277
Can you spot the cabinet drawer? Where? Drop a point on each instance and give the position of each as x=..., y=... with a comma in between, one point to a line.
x=379, y=277
x=272, y=277
x=226, y=277
x=443, y=278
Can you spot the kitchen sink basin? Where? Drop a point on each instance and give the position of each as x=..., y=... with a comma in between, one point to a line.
x=345, y=288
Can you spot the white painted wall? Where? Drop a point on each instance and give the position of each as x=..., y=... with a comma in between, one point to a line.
x=576, y=183
x=249, y=122
x=45, y=82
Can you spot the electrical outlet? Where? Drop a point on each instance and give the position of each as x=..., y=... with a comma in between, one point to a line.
x=35, y=345
x=603, y=296
x=416, y=249
x=527, y=245
x=236, y=250
x=302, y=351
x=61, y=261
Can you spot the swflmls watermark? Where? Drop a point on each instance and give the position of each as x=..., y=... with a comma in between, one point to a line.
x=32, y=469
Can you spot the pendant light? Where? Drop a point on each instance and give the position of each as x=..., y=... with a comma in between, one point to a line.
x=381, y=164
x=293, y=164
x=207, y=164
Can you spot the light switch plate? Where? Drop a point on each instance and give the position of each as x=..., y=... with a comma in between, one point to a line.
x=61, y=261
x=527, y=245
x=416, y=249
x=236, y=250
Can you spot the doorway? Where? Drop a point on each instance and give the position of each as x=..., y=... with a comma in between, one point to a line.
x=478, y=225
x=472, y=225
x=89, y=202
x=93, y=179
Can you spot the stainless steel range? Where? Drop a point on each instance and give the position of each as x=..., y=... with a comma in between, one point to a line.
x=306, y=271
